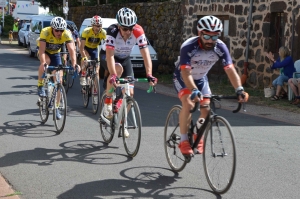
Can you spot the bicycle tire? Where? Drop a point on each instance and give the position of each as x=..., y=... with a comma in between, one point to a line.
x=107, y=130
x=86, y=95
x=224, y=142
x=133, y=122
x=95, y=88
x=62, y=107
x=66, y=80
x=70, y=75
x=43, y=108
x=172, y=139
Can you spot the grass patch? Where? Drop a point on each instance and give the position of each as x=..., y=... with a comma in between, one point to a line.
x=224, y=87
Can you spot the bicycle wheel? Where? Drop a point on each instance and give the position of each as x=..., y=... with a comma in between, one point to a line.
x=70, y=76
x=133, y=125
x=66, y=80
x=60, y=108
x=107, y=129
x=44, y=112
x=95, y=93
x=86, y=95
x=172, y=139
x=219, y=155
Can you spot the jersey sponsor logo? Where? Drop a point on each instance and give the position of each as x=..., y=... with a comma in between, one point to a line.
x=218, y=51
x=113, y=30
x=93, y=40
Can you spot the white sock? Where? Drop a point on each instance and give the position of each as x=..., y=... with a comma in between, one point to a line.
x=184, y=137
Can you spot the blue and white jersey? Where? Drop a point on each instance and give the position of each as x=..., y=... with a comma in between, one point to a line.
x=199, y=60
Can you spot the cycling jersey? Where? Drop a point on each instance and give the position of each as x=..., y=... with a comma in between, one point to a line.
x=122, y=49
x=92, y=40
x=53, y=44
x=199, y=60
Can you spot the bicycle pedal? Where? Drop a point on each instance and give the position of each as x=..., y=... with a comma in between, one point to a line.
x=188, y=157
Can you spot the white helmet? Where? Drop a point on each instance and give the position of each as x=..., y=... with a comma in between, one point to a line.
x=126, y=17
x=210, y=23
x=96, y=20
x=58, y=23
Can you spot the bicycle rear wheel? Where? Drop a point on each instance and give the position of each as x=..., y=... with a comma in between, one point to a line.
x=70, y=76
x=95, y=93
x=60, y=108
x=172, y=139
x=86, y=95
x=131, y=127
x=219, y=155
x=107, y=129
x=44, y=112
x=66, y=80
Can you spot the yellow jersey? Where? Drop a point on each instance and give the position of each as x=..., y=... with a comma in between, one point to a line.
x=53, y=44
x=92, y=40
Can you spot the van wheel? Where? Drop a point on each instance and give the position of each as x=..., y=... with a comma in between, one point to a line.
x=19, y=42
x=31, y=54
x=25, y=44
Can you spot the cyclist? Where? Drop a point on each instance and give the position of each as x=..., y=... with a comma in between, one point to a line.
x=75, y=35
x=90, y=40
x=51, y=41
x=121, y=38
x=197, y=55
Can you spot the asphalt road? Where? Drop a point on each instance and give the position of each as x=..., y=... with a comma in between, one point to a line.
x=77, y=165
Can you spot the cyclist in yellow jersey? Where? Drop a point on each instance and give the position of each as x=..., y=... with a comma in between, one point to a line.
x=90, y=40
x=51, y=41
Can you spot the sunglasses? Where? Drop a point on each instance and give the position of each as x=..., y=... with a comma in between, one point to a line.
x=58, y=30
x=126, y=28
x=207, y=37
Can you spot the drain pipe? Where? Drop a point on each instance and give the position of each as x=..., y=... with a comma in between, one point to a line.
x=246, y=63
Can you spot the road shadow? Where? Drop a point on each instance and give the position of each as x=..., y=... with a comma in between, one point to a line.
x=83, y=151
x=137, y=182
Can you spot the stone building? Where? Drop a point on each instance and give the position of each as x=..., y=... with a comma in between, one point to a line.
x=274, y=23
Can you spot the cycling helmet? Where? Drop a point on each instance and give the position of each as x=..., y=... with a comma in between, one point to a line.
x=58, y=23
x=210, y=23
x=96, y=20
x=126, y=17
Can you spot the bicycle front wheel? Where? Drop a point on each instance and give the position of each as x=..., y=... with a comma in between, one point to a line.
x=60, y=108
x=44, y=112
x=95, y=93
x=131, y=127
x=219, y=155
x=172, y=139
x=106, y=128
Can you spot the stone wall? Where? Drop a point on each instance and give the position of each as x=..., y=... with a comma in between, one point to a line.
x=162, y=22
x=168, y=24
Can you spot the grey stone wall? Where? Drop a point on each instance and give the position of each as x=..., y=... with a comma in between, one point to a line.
x=162, y=23
x=168, y=24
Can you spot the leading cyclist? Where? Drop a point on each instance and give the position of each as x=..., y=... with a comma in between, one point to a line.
x=51, y=41
x=197, y=56
x=121, y=38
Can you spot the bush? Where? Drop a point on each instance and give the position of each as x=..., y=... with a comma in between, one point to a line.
x=8, y=25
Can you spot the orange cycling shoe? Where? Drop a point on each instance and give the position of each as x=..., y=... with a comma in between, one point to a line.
x=185, y=148
x=200, y=145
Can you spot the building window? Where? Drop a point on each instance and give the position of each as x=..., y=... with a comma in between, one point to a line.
x=276, y=31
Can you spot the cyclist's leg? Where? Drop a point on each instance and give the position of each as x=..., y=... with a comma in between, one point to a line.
x=94, y=55
x=128, y=71
x=55, y=60
x=83, y=69
x=41, y=91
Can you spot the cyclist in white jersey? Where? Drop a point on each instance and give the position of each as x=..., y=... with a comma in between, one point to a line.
x=120, y=40
x=197, y=56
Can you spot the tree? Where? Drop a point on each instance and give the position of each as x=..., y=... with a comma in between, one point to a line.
x=53, y=5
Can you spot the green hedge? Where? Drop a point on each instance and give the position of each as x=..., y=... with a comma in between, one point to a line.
x=8, y=24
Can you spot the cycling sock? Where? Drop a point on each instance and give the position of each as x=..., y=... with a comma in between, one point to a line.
x=184, y=137
x=40, y=83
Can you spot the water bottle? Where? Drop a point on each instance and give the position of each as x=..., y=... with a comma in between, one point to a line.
x=50, y=89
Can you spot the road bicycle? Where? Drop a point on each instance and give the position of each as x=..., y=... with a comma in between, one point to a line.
x=219, y=151
x=125, y=118
x=69, y=75
x=56, y=99
x=92, y=88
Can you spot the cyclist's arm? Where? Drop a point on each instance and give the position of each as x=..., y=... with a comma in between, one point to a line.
x=42, y=48
x=147, y=60
x=82, y=44
x=188, y=78
x=233, y=76
x=110, y=61
x=78, y=41
x=71, y=48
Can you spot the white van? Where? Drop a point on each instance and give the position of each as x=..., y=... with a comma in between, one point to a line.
x=135, y=56
x=25, y=8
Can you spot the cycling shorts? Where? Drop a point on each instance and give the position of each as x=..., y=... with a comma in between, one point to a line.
x=93, y=52
x=202, y=85
x=55, y=59
x=126, y=64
